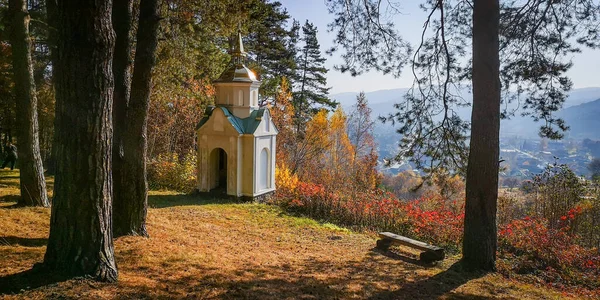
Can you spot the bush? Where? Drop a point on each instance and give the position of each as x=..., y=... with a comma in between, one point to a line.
x=172, y=173
x=430, y=218
x=531, y=246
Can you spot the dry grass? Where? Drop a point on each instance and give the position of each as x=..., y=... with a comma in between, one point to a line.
x=213, y=249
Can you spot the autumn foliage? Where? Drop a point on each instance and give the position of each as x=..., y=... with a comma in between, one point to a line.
x=431, y=217
x=531, y=246
x=551, y=251
x=172, y=172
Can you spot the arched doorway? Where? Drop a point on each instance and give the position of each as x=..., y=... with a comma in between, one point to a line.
x=218, y=165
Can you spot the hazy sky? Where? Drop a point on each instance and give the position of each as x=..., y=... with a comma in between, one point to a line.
x=584, y=73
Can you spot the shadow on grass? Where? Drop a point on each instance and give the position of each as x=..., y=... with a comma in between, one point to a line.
x=213, y=197
x=11, y=179
x=9, y=183
x=24, y=242
x=10, y=198
x=249, y=281
x=369, y=278
x=33, y=278
x=435, y=286
x=402, y=257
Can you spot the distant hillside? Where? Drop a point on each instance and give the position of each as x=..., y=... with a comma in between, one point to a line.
x=581, y=111
x=584, y=120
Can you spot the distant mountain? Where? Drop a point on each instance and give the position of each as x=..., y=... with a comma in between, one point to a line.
x=377, y=97
x=580, y=112
x=584, y=120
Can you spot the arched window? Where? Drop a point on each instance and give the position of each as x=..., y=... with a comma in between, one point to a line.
x=264, y=170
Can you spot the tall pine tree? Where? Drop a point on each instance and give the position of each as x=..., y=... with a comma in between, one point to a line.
x=81, y=240
x=311, y=86
x=33, y=184
x=271, y=46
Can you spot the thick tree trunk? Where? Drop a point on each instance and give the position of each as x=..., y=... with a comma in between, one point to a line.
x=33, y=183
x=81, y=241
x=480, y=233
x=131, y=203
x=122, y=20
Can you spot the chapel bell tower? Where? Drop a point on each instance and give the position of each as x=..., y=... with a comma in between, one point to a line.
x=237, y=87
x=236, y=137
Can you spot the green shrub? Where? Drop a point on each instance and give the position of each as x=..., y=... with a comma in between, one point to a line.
x=172, y=173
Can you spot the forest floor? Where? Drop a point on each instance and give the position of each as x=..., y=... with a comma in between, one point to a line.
x=217, y=249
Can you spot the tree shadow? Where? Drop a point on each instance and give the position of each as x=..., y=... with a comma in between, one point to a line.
x=213, y=197
x=9, y=183
x=36, y=277
x=310, y=279
x=10, y=198
x=435, y=286
x=394, y=254
x=24, y=242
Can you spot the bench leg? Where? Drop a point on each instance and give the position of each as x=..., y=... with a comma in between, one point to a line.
x=431, y=256
x=383, y=244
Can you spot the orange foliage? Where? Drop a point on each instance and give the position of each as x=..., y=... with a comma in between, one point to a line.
x=172, y=119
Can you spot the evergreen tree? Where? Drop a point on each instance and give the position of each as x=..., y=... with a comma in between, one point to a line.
x=271, y=46
x=32, y=181
x=81, y=241
x=311, y=86
x=130, y=184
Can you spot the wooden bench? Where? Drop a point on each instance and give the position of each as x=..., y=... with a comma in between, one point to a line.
x=430, y=253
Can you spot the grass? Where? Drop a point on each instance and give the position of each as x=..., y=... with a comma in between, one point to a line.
x=206, y=248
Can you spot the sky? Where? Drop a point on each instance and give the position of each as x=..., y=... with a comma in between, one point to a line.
x=584, y=73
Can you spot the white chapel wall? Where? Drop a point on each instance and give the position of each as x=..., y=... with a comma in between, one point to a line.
x=262, y=184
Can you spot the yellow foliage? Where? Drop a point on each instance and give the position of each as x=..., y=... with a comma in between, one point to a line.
x=284, y=179
x=316, y=130
x=167, y=171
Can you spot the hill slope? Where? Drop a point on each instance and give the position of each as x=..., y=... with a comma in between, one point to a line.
x=206, y=248
x=381, y=102
x=584, y=120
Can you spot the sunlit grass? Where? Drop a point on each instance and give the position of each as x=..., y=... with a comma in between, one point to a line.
x=205, y=247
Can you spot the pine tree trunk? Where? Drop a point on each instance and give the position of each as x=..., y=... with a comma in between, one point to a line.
x=33, y=183
x=480, y=232
x=51, y=21
x=81, y=241
x=131, y=203
x=122, y=20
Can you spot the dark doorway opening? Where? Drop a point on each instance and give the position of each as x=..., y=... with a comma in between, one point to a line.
x=222, y=167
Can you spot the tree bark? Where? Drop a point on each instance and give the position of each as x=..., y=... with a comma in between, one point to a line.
x=81, y=241
x=122, y=17
x=480, y=232
x=33, y=183
x=131, y=202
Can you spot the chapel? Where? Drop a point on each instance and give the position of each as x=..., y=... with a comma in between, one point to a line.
x=235, y=137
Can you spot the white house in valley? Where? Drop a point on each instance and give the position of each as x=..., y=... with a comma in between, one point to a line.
x=236, y=138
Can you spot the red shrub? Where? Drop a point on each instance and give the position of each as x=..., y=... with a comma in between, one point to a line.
x=530, y=246
x=428, y=218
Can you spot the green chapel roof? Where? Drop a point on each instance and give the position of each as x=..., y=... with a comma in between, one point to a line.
x=246, y=125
